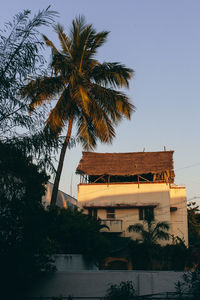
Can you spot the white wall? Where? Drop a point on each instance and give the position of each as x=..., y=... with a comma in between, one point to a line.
x=179, y=224
x=131, y=194
x=72, y=262
x=95, y=283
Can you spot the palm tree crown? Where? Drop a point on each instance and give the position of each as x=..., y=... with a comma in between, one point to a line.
x=86, y=89
x=151, y=232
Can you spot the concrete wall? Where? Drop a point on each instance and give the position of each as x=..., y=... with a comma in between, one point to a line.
x=145, y=194
x=72, y=262
x=95, y=283
x=179, y=224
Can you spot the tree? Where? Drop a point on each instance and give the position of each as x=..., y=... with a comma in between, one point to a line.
x=189, y=288
x=194, y=224
x=21, y=58
x=73, y=232
x=25, y=246
x=87, y=90
x=151, y=232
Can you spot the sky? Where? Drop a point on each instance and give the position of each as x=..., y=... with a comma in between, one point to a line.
x=160, y=40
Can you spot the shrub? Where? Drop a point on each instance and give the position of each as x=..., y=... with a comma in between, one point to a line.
x=123, y=291
x=189, y=285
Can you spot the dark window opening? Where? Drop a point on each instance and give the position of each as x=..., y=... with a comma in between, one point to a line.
x=110, y=213
x=112, y=179
x=92, y=212
x=146, y=213
x=146, y=177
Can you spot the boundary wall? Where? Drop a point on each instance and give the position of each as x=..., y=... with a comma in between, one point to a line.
x=95, y=283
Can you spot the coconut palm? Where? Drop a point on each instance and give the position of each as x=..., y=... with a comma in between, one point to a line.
x=86, y=89
x=150, y=231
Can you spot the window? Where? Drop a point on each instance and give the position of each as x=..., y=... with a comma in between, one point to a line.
x=110, y=213
x=92, y=212
x=146, y=213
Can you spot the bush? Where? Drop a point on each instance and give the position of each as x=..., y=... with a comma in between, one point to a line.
x=156, y=257
x=123, y=291
x=190, y=285
x=73, y=232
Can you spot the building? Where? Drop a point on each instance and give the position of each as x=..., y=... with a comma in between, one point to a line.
x=63, y=200
x=124, y=188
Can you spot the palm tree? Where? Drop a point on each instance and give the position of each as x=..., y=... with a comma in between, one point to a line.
x=150, y=231
x=87, y=90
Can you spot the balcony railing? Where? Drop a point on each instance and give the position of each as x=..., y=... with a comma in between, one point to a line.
x=114, y=225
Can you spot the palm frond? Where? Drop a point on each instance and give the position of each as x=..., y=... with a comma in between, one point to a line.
x=78, y=25
x=85, y=100
x=84, y=44
x=64, y=40
x=136, y=228
x=60, y=113
x=102, y=122
x=61, y=66
x=112, y=74
x=99, y=39
x=86, y=132
x=162, y=225
x=42, y=90
x=161, y=235
x=49, y=43
x=115, y=103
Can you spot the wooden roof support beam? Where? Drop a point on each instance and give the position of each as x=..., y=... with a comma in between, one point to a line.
x=101, y=177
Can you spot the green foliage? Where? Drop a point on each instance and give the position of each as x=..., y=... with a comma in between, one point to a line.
x=25, y=247
x=175, y=257
x=29, y=235
x=71, y=231
x=139, y=254
x=156, y=257
x=21, y=57
x=189, y=285
x=151, y=231
x=123, y=291
x=194, y=224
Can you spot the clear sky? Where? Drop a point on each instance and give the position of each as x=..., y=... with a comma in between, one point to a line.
x=160, y=40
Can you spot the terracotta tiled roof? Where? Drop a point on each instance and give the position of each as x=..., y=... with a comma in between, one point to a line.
x=125, y=164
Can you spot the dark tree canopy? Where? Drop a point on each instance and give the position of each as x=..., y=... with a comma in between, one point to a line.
x=24, y=245
x=73, y=232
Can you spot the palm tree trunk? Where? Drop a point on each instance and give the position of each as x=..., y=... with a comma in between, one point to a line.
x=60, y=164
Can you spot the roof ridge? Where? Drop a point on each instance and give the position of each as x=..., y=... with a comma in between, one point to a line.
x=93, y=152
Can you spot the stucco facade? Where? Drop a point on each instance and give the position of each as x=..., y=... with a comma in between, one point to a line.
x=123, y=189
x=168, y=203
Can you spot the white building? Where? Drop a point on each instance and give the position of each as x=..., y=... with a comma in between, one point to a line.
x=63, y=200
x=124, y=188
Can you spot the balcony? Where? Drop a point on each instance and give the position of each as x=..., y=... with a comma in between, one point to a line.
x=114, y=225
